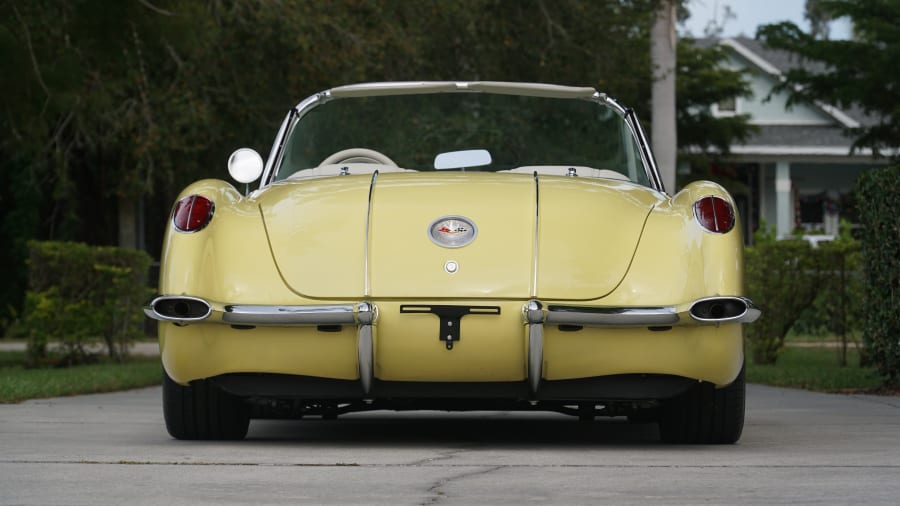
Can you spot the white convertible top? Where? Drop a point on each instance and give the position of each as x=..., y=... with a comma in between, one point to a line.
x=421, y=87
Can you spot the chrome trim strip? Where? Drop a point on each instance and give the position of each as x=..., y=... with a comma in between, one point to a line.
x=289, y=315
x=649, y=162
x=367, y=289
x=612, y=316
x=753, y=312
x=534, y=318
x=276, y=148
x=646, y=152
x=662, y=316
x=286, y=128
x=537, y=231
x=425, y=87
x=365, y=353
x=258, y=315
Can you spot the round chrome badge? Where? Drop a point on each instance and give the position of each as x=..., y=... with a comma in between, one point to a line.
x=452, y=231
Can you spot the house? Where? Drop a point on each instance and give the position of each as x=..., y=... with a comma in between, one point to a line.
x=798, y=168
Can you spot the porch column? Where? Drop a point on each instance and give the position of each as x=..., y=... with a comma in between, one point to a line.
x=784, y=207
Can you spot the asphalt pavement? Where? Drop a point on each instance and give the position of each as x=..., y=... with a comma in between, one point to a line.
x=110, y=449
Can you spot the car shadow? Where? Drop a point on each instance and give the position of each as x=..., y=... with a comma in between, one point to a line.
x=488, y=429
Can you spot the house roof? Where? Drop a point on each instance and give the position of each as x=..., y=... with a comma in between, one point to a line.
x=793, y=139
x=784, y=61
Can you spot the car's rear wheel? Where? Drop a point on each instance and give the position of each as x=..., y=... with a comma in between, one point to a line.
x=203, y=411
x=705, y=414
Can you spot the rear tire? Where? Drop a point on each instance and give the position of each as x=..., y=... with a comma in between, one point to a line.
x=705, y=414
x=203, y=411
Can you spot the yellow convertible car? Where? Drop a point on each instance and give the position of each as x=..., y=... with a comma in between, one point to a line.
x=453, y=246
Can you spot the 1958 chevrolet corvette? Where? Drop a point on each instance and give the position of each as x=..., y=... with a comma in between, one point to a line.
x=453, y=246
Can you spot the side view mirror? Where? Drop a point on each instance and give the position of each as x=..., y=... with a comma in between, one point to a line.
x=245, y=165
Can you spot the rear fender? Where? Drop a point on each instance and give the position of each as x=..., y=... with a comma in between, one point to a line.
x=228, y=260
x=677, y=260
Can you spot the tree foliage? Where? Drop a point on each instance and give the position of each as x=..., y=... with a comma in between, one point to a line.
x=703, y=81
x=108, y=107
x=849, y=73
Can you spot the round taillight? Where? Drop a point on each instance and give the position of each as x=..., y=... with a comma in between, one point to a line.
x=714, y=214
x=192, y=213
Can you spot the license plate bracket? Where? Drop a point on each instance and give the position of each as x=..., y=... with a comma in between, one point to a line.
x=450, y=317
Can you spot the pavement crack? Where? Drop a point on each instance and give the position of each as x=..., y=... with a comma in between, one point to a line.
x=441, y=456
x=437, y=492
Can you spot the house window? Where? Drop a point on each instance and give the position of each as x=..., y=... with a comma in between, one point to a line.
x=812, y=212
x=725, y=107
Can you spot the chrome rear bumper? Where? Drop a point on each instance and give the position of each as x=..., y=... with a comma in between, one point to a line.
x=184, y=310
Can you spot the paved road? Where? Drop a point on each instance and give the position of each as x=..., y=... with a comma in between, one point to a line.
x=798, y=447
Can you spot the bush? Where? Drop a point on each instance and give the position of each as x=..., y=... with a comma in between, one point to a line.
x=83, y=296
x=782, y=280
x=837, y=306
x=878, y=194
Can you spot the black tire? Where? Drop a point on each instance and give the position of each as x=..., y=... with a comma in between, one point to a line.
x=705, y=414
x=203, y=411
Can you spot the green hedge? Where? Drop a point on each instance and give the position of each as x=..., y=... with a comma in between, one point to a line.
x=878, y=198
x=782, y=279
x=837, y=308
x=85, y=298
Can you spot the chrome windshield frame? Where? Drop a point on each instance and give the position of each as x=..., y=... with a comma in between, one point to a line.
x=287, y=126
x=428, y=87
x=640, y=138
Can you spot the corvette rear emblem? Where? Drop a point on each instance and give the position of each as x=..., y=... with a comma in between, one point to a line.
x=452, y=231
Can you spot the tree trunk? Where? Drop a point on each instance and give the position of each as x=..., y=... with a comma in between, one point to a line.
x=127, y=223
x=662, y=57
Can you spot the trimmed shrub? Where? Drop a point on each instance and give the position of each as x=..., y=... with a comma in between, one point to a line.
x=782, y=279
x=837, y=308
x=878, y=195
x=82, y=297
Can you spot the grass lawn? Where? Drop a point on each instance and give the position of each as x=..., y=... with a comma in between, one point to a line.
x=18, y=383
x=814, y=368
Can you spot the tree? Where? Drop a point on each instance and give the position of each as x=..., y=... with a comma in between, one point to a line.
x=705, y=80
x=663, y=58
x=95, y=103
x=818, y=19
x=849, y=73
x=109, y=107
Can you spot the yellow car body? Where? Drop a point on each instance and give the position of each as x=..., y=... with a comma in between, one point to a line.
x=333, y=290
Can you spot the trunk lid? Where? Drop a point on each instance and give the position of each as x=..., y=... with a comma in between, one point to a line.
x=329, y=243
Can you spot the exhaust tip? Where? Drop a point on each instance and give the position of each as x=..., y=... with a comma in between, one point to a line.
x=724, y=310
x=179, y=309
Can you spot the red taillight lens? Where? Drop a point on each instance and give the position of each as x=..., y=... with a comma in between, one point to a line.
x=192, y=213
x=714, y=214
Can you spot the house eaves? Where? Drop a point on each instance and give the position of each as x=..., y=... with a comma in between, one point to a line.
x=775, y=72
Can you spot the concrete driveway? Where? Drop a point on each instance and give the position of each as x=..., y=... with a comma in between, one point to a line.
x=798, y=447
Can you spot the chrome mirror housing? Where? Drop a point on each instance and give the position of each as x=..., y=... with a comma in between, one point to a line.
x=245, y=165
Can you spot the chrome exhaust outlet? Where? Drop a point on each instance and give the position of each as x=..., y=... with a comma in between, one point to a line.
x=178, y=309
x=724, y=310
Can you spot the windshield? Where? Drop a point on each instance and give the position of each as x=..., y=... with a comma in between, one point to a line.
x=518, y=132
